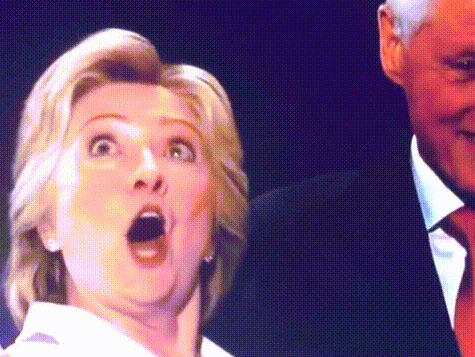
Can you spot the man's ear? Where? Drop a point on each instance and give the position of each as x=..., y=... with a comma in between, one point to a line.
x=391, y=47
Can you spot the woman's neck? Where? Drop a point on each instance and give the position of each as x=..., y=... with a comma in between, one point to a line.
x=162, y=333
x=175, y=335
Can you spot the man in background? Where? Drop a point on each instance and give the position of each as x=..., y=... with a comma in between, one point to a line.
x=378, y=261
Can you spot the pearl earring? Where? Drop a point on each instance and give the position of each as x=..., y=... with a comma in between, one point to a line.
x=209, y=258
x=52, y=245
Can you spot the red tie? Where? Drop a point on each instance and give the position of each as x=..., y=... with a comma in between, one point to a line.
x=461, y=225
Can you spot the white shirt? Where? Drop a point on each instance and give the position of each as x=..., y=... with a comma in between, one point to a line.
x=59, y=330
x=437, y=202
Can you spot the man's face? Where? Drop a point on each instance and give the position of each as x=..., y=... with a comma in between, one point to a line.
x=437, y=72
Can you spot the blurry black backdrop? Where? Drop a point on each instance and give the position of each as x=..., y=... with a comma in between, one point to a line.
x=304, y=78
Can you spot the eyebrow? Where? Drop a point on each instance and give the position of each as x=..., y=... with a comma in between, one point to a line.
x=105, y=116
x=163, y=119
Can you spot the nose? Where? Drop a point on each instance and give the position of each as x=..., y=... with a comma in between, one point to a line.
x=148, y=177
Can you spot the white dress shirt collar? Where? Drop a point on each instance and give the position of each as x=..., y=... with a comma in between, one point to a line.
x=437, y=201
x=66, y=330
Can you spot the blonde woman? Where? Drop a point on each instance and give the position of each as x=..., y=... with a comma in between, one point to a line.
x=127, y=212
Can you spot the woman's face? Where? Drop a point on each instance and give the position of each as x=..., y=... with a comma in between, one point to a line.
x=133, y=199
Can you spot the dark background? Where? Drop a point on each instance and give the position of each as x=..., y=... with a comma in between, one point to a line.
x=304, y=79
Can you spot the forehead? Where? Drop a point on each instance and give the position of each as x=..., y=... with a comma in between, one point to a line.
x=449, y=29
x=138, y=102
x=456, y=14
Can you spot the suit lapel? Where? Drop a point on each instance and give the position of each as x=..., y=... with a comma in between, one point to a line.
x=411, y=274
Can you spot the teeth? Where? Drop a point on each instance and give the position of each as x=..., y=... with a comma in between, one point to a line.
x=146, y=253
x=150, y=214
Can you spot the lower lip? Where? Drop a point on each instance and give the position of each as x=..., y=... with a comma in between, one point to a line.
x=149, y=254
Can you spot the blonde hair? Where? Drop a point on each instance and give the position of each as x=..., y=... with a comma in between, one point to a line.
x=107, y=56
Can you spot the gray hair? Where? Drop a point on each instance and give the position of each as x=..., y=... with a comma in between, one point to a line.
x=409, y=15
x=109, y=56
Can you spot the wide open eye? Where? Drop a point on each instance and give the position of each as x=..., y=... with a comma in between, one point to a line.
x=102, y=145
x=181, y=150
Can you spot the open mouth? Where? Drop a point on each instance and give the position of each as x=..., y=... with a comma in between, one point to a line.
x=148, y=226
x=146, y=237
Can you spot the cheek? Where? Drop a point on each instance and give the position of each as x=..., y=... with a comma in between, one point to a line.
x=201, y=197
x=432, y=98
x=85, y=198
x=84, y=205
x=423, y=96
x=87, y=181
x=195, y=207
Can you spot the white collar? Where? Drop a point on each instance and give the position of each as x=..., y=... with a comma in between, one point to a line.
x=82, y=333
x=436, y=199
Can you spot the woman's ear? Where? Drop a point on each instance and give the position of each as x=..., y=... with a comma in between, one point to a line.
x=391, y=47
x=48, y=237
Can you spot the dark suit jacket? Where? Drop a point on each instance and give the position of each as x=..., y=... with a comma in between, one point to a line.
x=338, y=265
